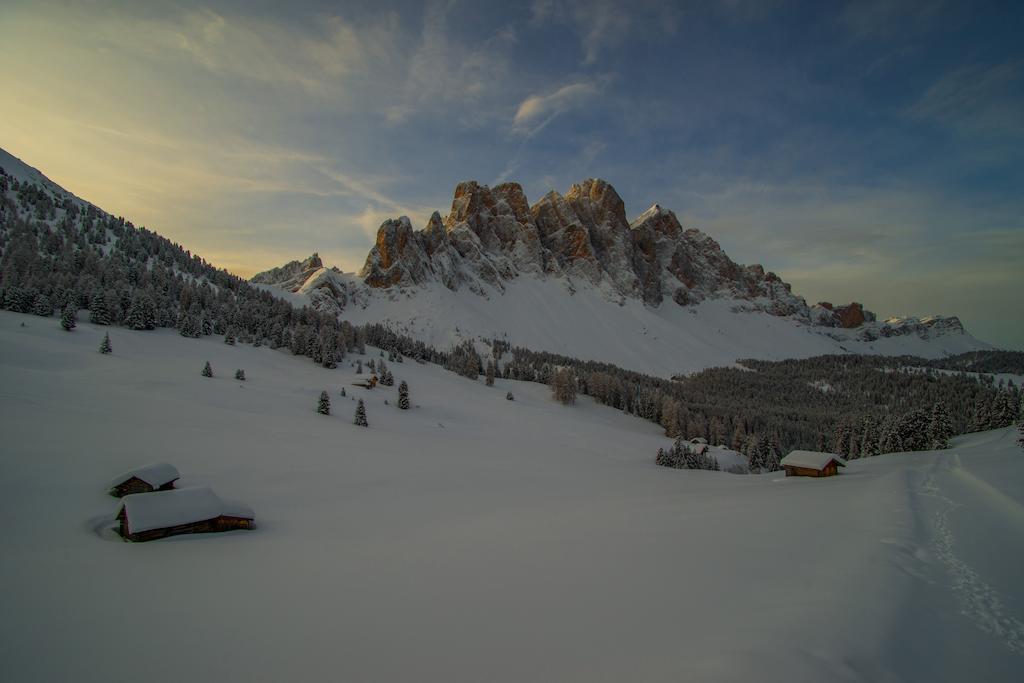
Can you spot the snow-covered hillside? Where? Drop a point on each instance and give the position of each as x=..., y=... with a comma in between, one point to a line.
x=543, y=315
x=470, y=538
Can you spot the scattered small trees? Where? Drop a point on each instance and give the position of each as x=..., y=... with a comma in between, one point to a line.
x=105, y=346
x=403, y=395
x=240, y=375
x=360, y=420
x=207, y=370
x=69, y=317
x=682, y=456
x=324, y=406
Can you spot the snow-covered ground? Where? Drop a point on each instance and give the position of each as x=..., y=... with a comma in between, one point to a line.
x=542, y=315
x=470, y=538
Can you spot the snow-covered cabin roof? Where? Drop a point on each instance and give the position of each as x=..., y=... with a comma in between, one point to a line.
x=156, y=475
x=161, y=509
x=814, y=460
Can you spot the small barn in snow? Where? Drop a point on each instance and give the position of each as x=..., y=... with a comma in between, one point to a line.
x=156, y=477
x=148, y=516
x=812, y=464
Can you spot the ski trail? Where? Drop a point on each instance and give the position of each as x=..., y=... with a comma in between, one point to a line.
x=979, y=601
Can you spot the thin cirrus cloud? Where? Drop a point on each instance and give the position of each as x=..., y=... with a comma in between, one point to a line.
x=537, y=111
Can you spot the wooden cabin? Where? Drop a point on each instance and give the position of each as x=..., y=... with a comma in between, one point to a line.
x=812, y=464
x=366, y=383
x=149, y=516
x=156, y=477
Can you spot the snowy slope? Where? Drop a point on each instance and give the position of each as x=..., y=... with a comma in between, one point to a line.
x=471, y=538
x=544, y=316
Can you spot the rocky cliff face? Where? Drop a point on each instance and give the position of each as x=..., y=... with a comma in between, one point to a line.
x=493, y=235
x=291, y=276
x=582, y=239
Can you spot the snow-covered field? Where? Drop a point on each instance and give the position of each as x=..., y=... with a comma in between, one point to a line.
x=470, y=538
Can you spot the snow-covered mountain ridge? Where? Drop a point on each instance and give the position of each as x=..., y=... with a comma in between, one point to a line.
x=572, y=274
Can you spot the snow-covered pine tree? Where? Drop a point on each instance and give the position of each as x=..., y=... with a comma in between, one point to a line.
x=361, y=415
x=940, y=427
x=403, y=395
x=509, y=397
x=105, y=346
x=240, y=375
x=229, y=337
x=359, y=367
x=343, y=392
x=99, y=311
x=324, y=404
x=754, y=454
x=207, y=370
x=1020, y=434
x=328, y=361
x=42, y=306
x=142, y=313
x=489, y=374
x=69, y=317
x=387, y=379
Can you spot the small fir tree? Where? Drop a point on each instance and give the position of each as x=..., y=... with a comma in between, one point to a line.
x=509, y=397
x=240, y=375
x=69, y=317
x=361, y=415
x=940, y=428
x=359, y=367
x=1020, y=434
x=229, y=337
x=403, y=395
x=42, y=306
x=490, y=373
x=343, y=392
x=105, y=346
x=324, y=406
x=207, y=370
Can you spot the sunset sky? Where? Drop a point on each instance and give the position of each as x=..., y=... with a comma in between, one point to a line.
x=872, y=153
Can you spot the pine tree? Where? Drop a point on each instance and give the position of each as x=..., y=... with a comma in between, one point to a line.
x=1020, y=434
x=207, y=370
x=403, y=395
x=359, y=367
x=142, y=313
x=489, y=381
x=105, y=346
x=940, y=427
x=240, y=375
x=229, y=337
x=42, y=306
x=68, y=317
x=361, y=415
x=509, y=397
x=99, y=312
x=324, y=406
x=387, y=379
x=343, y=392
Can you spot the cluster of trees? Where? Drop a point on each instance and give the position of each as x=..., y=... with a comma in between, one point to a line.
x=684, y=456
x=855, y=405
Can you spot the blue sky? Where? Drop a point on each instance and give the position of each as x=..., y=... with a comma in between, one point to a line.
x=870, y=151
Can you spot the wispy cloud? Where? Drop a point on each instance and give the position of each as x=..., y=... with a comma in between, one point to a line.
x=537, y=111
x=977, y=99
x=600, y=25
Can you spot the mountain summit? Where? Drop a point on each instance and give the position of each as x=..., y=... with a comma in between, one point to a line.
x=572, y=274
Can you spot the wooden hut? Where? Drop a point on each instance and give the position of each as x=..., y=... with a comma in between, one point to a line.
x=812, y=464
x=148, y=516
x=156, y=477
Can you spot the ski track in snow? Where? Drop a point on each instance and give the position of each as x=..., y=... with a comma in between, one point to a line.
x=979, y=602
